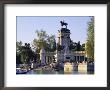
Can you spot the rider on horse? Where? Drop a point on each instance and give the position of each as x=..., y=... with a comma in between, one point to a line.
x=63, y=23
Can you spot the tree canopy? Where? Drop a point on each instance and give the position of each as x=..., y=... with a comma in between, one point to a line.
x=24, y=53
x=90, y=39
x=45, y=41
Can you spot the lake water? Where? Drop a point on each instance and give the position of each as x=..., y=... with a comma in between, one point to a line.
x=58, y=72
x=75, y=70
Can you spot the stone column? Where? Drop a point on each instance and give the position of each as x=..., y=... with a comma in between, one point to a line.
x=84, y=58
x=42, y=56
x=79, y=58
x=76, y=58
x=57, y=56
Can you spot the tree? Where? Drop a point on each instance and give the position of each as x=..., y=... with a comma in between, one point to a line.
x=90, y=39
x=18, y=47
x=40, y=42
x=51, y=43
x=44, y=41
x=78, y=46
x=24, y=53
x=27, y=54
x=18, y=52
x=83, y=47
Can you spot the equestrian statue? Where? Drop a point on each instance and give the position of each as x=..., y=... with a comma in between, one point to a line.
x=63, y=23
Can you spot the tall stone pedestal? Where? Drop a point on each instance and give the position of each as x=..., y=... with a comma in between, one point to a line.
x=42, y=56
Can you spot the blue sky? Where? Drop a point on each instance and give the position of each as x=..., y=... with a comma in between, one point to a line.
x=27, y=25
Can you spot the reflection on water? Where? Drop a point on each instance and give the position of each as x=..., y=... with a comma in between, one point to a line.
x=45, y=72
x=69, y=68
x=74, y=71
x=58, y=72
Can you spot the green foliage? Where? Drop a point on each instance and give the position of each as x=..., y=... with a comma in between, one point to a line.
x=18, y=52
x=83, y=47
x=72, y=47
x=18, y=47
x=40, y=42
x=51, y=43
x=78, y=46
x=51, y=40
x=90, y=39
x=43, y=40
x=24, y=53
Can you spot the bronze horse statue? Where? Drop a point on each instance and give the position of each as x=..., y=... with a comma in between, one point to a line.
x=63, y=23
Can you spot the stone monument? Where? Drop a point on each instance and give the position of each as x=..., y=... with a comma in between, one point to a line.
x=63, y=41
x=42, y=56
